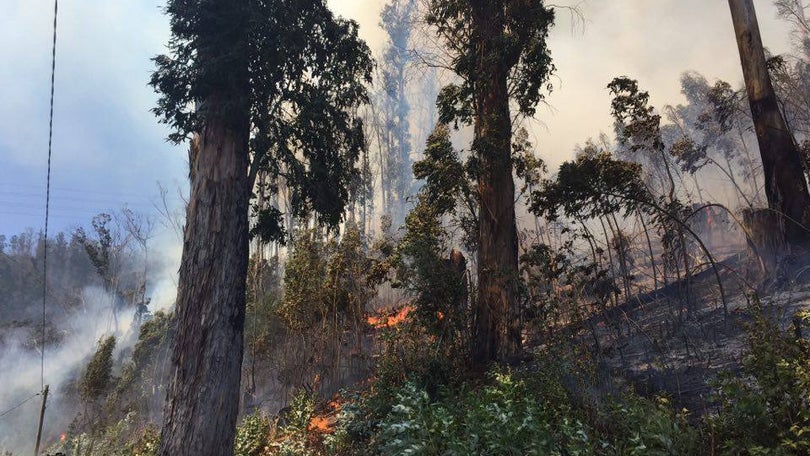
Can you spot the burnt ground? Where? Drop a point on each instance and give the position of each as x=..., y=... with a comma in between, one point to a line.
x=675, y=340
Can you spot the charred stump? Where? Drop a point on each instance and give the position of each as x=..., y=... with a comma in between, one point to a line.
x=766, y=240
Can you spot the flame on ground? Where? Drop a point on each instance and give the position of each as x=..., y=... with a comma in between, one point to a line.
x=322, y=424
x=325, y=422
x=389, y=321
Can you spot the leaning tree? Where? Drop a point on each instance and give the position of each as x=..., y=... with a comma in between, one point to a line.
x=785, y=184
x=270, y=86
x=498, y=49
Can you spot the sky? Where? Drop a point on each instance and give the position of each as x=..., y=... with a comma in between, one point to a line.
x=109, y=151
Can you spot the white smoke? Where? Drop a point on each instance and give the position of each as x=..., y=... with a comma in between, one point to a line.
x=80, y=332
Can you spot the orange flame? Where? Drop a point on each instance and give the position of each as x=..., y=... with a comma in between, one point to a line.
x=62, y=437
x=389, y=321
x=322, y=424
x=325, y=422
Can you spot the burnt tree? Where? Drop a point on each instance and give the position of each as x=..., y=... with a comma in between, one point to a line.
x=785, y=184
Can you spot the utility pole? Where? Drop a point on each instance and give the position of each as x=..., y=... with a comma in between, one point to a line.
x=41, y=418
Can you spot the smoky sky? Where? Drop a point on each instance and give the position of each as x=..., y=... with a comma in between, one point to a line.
x=109, y=150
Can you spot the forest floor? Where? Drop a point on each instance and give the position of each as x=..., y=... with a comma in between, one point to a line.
x=663, y=344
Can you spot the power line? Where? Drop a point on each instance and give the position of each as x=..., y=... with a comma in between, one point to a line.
x=114, y=193
x=48, y=198
x=17, y=406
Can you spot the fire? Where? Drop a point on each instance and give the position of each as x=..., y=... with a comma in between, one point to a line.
x=389, y=321
x=325, y=422
x=62, y=437
x=322, y=424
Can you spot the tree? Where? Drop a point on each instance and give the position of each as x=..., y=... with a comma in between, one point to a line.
x=785, y=184
x=397, y=22
x=96, y=378
x=498, y=49
x=265, y=86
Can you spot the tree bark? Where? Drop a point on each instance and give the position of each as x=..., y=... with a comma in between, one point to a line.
x=497, y=331
x=203, y=395
x=785, y=184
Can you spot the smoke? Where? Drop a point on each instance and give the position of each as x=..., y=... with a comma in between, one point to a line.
x=78, y=330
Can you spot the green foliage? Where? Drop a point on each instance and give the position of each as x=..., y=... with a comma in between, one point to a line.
x=521, y=51
x=96, y=379
x=145, y=443
x=424, y=272
x=294, y=439
x=99, y=250
x=304, y=276
x=528, y=167
x=541, y=267
x=633, y=425
x=768, y=410
x=449, y=187
x=302, y=406
x=592, y=185
x=252, y=435
x=354, y=426
x=290, y=73
x=639, y=125
x=503, y=418
x=326, y=279
x=347, y=284
x=269, y=226
x=442, y=171
x=141, y=387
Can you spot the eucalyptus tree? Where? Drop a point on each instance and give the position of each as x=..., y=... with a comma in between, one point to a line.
x=499, y=52
x=397, y=22
x=269, y=86
x=639, y=129
x=596, y=184
x=790, y=72
x=712, y=131
x=795, y=12
x=785, y=183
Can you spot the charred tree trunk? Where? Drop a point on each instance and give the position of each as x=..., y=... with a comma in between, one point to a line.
x=497, y=332
x=203, y=395
x=785, y=184
x=766, y=239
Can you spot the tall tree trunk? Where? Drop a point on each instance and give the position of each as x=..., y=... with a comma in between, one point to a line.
x=203, y=396
x=497, y=332
x=785, y=184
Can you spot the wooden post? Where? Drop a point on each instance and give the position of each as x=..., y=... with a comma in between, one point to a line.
x=41, y=419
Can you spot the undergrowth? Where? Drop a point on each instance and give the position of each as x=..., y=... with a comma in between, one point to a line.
x=549, y=406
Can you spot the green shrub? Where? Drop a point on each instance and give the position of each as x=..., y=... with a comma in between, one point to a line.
x=633, y=425
x=252, y=435
x=767, y=411
x=96, y=378
x=503, y=418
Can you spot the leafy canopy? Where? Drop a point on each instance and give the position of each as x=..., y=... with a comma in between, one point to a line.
x=291, y=72
x=592, y=185
x=521, y=49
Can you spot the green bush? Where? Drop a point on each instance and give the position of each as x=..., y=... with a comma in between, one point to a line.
x=502, y=418
x=767, y=410
x=96, y=378
x=252, y=435
x=632, y=425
